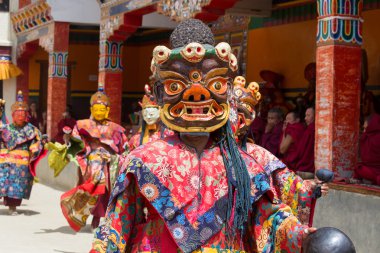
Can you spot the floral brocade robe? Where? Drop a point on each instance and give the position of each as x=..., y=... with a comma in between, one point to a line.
x=21, y=146
x=102, y=145
x=168, y=200
x=289, y=187
x=134, y=142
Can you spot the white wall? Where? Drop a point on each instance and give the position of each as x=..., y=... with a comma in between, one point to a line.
x=8, y=38
x=75, y=11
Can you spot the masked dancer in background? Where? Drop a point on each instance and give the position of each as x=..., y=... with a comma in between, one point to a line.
x=103, y=142
x=21, y=147
x=151, y=129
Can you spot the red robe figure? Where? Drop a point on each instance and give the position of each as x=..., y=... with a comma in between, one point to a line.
x=305, y=150
x=103, y=142
x=369, y=167
x=21, y=146
x=271, y=138
x=196, y=191
x=293, y=131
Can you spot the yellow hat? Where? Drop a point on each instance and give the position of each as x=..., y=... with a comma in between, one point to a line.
x=20, y=104
x=100, y=97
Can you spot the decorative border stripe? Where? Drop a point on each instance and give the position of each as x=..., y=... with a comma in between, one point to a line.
x=110, y=56
x=58, y=64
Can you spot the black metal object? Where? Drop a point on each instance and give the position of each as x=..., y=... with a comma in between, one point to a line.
x=328, y=240
x=325, y=176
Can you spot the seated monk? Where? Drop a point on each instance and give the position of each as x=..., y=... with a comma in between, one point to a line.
x=293, y=130
x=369, y=167
x=305, y=151
x=273, y=131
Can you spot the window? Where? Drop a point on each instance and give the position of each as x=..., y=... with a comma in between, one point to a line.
x=4, y=5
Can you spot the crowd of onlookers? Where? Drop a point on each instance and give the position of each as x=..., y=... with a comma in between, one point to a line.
x=288, y=129
x=287, y=134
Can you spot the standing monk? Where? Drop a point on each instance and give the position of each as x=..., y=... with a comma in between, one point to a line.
x=196, y=191
x=20, y=147
x=305, y=150
x=103, y=142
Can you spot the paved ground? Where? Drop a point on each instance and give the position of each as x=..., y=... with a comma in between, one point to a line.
x=41, y=227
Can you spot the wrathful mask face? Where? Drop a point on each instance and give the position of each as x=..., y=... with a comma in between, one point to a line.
x=151, y=115
x=19, y=117
x=99, y=112
x=195, y=96
x=194, y=83
x=246, y=98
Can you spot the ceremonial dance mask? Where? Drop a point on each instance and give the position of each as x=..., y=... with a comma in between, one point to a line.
x=246, y=98
x=100, y=105
x=19, y=110
x=193, y=80
x=150, y=109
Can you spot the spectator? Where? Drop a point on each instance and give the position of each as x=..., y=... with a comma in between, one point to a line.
x=33, y=117
x=300, y=106
x=310, y=74
x=279, y=102
x=273, y=131
x=369, y=167
x=305, y=151
x=293, y=130
x=43, y=123
x=256, y=129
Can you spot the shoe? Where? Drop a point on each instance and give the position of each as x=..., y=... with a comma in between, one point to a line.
x=13, y=212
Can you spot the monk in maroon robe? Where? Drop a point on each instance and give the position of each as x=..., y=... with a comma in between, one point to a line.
x=369, y=167
x=293, y=131
x=305, y=151
x=273, y=131
x=256, y=129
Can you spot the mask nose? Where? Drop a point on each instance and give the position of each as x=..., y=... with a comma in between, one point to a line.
x=196, y=93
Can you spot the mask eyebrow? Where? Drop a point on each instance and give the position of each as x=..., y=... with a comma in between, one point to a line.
x=216, y=72
x=171, y=74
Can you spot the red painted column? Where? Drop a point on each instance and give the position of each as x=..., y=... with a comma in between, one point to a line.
x=22, y=82
x=23, y=3
x=339, y=39
x=57, y=81
x=111, y=75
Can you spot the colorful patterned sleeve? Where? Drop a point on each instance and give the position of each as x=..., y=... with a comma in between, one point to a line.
x=124, y=211
x=294, y=192
x=275, y=229
x=36, y=145
x=288, y=187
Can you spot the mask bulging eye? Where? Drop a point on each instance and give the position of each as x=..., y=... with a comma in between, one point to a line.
x=174, y=87
x=217, y=85
x=195, y=76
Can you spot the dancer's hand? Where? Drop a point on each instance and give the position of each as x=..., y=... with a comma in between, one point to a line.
x=308, y=231
x=324, y=187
